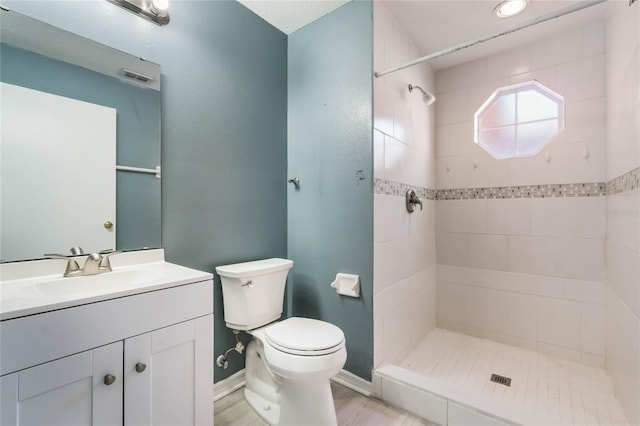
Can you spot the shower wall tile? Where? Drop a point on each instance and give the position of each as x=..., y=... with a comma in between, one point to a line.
x=468, y=216
x=565, y=48
x=558, y=322
x=378, y=155
x=623, y=354
x=451, y=107
x=554, y=245
x=593, y=326
x=560, y=316
x=382, y=108
x=489, y=252
x=580, y=258
x=623, y=270
x=572, y=64
x=594, y=39
x=532, y=255
x=391, y=221
x=394, y=159
x=517, y=315
x=623, y=219
x=391, y=263
x=582, y=79
x=452, y=249
x=514, y=62
x=509, y=216
x=465, y=75
x=404, y=152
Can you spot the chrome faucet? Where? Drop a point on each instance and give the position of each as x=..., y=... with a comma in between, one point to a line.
x=95, y=263
x=92, y=264
x=72, y=270
x=411, y=199
x=105, y=264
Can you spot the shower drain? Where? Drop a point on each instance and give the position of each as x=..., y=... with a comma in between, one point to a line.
x=501, y=379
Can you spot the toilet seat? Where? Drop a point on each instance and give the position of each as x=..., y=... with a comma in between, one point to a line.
x=304, y=336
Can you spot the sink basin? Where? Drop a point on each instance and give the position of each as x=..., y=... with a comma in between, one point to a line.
x=34, y=287
x=105, y=282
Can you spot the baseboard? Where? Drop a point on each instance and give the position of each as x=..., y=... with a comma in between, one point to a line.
x=224, y=387
x=354, y=382
x=234, y=382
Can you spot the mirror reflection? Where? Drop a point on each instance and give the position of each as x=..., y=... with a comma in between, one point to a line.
x=79, y=146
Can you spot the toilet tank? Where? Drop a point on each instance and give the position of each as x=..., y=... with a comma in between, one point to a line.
x=253, y=292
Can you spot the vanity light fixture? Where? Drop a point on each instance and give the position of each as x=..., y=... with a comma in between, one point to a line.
x=156, y=11
x=509, y=8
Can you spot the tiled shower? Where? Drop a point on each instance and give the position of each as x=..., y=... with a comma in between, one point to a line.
x=539, y=253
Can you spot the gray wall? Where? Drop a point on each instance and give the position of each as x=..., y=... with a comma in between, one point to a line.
x=224, y=140
x=138, y=134
x=330, y=218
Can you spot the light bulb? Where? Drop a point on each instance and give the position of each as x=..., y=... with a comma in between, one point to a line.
x=160, y=4
x=509, y=8
x=159, y=7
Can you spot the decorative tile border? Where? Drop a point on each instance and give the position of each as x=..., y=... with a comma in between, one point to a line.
x=595, y=189
x=388, y=187
x=626, y=182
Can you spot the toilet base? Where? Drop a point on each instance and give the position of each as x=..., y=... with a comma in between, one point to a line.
x=307, y=403
x=269, y=411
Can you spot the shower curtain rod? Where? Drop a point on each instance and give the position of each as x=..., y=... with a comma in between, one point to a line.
x=526, y=24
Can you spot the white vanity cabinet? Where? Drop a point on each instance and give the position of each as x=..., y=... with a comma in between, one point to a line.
x=173, y=380
x=67, y=391
x=142, y=359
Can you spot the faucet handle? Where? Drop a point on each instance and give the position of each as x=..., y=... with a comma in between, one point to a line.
x=105, y=264
x=411, y=199
x=72, y=266
x=77, y=251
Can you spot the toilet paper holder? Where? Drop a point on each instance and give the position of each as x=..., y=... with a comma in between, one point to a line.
x=347, y=284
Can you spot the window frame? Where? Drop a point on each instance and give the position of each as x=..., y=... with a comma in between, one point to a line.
x=515, y=89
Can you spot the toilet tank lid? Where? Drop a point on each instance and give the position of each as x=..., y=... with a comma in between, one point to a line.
x=256, y=267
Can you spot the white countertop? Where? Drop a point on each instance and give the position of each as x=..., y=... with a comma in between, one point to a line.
x=19, y=295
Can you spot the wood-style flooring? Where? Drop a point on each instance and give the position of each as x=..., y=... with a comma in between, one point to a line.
x=352, y=409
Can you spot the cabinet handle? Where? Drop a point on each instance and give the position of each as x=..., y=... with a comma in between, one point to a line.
x=140, y=367
x=109, y=379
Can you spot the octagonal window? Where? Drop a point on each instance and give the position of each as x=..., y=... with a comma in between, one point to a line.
x=519, y=120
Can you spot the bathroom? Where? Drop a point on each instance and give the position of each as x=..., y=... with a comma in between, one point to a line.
x=245, y=107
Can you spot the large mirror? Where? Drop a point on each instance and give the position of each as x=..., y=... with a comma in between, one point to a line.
x=80, y=144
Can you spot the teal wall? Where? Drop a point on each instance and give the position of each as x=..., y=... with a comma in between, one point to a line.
x=224, y=136
x=330, y=218
x=225, y=97
x=138, y=221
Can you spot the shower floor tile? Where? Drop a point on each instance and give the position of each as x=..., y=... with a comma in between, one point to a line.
x=566, y=392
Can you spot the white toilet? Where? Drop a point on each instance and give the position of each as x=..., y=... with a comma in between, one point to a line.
x=289, y=363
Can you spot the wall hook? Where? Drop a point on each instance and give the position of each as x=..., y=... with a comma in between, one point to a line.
x=548, y=157
x=585, y=153
x=475, y=163
x=295, y=181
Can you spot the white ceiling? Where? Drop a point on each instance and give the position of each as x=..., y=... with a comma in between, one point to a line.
x=439, y=24
x=291, y=15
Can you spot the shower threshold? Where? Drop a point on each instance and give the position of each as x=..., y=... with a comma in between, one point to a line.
x=446, y=379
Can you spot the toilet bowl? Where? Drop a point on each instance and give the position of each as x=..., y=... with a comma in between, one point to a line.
x=289, y=363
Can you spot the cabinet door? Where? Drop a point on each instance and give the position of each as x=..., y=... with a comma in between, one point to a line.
x=169, y=375
x=68, y=391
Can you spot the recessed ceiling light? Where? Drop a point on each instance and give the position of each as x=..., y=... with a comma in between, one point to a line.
x=509, y=8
